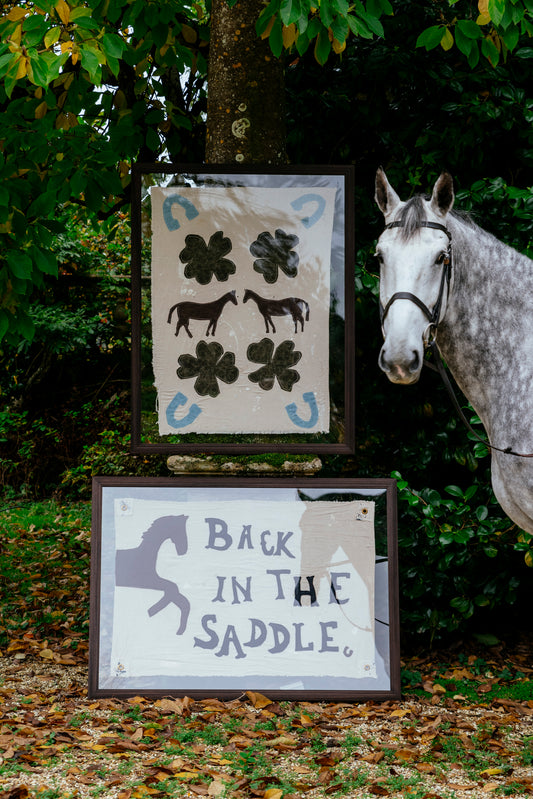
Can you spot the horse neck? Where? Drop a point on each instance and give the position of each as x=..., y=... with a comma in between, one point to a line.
x=226, y=298
x=151, y=544
x=490, y=290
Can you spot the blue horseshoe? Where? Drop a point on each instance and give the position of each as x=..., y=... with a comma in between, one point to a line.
x=176, y=199
x=298, y=204
x=292, y=411
x=181, y=399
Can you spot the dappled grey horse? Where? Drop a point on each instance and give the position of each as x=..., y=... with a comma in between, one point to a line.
x=443, y=277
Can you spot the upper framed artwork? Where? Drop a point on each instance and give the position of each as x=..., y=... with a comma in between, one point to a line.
x=242, y=310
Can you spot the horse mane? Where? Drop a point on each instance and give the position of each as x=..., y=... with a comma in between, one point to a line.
x=413, y=214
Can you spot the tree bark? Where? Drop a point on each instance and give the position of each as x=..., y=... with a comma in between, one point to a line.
x=246, y=90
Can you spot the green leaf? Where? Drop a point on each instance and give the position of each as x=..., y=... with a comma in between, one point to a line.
x=43, y=205
x=20, y=264
x=463, y=605
x=322, y=47
x=45, y=261
x=511, y=37
x=52, y=36
x=490, y=51
x=341, y=7
x=373, y=24
x=39, y=71
x=276, y=37
x=113, y=45
x=87, y=24
x=496, y=10
x=470, y=491
x=431, y=37
x=91, y=62
x=469, y=29
x=290, y=11
x=455, y=491
x=358, y=27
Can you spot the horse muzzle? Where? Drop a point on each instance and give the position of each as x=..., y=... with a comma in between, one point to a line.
x=403, y=369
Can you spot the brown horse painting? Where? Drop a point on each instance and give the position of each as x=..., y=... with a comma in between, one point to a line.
x=290, y=306
x=200, y=310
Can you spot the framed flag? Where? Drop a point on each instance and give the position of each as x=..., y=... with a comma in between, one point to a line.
x=214, y=586
x=242, y=308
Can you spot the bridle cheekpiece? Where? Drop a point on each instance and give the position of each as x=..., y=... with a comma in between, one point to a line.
x=433, y=316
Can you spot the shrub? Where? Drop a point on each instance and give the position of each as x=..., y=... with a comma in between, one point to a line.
x=460, y=558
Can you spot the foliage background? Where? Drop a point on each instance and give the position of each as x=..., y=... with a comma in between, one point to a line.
x=88, y=87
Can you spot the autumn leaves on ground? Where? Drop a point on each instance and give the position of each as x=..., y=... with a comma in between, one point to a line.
x=464, y=727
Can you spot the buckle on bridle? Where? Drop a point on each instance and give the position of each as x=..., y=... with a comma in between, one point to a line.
x=429, y=335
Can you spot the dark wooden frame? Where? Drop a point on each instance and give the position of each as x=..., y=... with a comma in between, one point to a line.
x=386, y=488
x=233, y=444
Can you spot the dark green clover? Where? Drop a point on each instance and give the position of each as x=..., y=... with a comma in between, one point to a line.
x=205, y=260
x=210, y=365
x=275, y=253
x=277, y=364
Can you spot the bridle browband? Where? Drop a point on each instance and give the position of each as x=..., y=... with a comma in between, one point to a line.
x=433, y=316
x=429, y=337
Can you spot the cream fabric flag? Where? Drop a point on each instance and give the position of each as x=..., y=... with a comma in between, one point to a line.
x=244, y=588
x=240, y=308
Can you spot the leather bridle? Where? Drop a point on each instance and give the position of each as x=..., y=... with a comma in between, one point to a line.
x=433, y=316
x=429, y=336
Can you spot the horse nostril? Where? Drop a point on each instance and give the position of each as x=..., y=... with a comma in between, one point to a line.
x=415, y=363
x=382, y=363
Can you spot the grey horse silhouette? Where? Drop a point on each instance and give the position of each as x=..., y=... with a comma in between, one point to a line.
x=136, y=567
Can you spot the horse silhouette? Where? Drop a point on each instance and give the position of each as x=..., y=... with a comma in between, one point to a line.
x=200, y=310
x=136, y=568
x=290, y=306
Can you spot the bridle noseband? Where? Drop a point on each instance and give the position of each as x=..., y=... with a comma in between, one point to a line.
x=433, y=316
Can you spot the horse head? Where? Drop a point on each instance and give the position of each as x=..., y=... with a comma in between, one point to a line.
x=415, y=262
x=232, y=295
x=247, y=295
x=171, y=527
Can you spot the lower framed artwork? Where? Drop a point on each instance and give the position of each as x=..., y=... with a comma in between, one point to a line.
x=215, y=586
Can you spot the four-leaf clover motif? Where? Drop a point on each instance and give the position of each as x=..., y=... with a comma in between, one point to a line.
x=277, y=364
x=210, y=365
x=274, y=253
x=205, y=260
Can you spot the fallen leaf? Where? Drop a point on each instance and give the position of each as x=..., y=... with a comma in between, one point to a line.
x=216, y=788
x=178, y=706
x=258, y=700
x=273, y=793
x=20, y=792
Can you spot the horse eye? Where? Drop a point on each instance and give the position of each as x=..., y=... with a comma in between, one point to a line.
x=441, y=257
x=379, y=257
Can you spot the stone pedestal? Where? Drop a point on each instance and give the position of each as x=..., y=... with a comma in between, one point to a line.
x=209, y=464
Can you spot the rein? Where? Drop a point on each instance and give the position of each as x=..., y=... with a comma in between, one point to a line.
x=430, y=335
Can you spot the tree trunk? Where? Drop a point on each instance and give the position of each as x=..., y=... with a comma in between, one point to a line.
x=246, y=89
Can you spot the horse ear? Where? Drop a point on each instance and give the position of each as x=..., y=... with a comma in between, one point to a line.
x=385, y=196
x=443, y=195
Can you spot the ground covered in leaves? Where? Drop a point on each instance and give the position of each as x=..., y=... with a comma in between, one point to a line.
x=464, y=726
